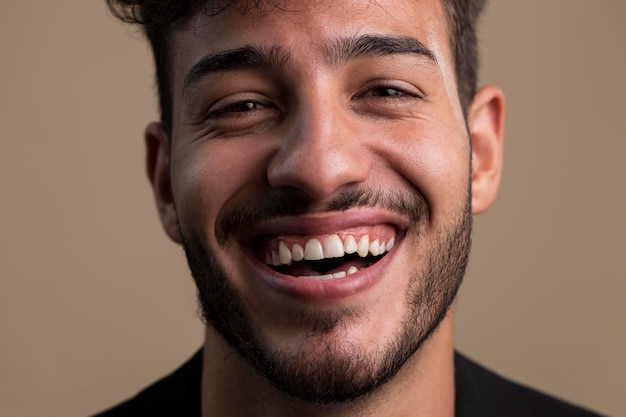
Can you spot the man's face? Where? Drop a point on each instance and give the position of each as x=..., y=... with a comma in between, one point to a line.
x=320, y=177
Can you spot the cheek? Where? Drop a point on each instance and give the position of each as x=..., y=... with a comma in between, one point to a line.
x=208, y=177
x=193, y=189
x=436, y=161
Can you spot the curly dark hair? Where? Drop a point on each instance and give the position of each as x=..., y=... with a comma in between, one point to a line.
x=159, y=17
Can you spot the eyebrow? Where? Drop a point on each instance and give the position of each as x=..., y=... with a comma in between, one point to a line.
x=247, y=57
x=336, y=53
x=368, y=46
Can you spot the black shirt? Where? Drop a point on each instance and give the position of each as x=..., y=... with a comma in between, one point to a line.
x=479, y=393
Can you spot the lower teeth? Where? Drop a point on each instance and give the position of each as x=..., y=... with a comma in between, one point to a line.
x=336, y=275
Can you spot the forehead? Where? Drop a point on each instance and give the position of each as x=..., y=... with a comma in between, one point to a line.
x=299, y=24
x=306, y=30
x=385, y=11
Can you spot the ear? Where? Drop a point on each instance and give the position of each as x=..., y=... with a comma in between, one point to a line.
x=158, y=169
x=486, y=128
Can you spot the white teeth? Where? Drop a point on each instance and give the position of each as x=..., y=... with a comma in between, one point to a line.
x=284, y=254
x=313, y=250
x=350, y=246
x=297, y=252
x=375, y=248
x=333, y=247
x=363, y=246
x=336, y=275
x=275, y=259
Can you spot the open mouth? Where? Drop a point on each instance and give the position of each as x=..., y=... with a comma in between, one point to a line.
x=326, y=257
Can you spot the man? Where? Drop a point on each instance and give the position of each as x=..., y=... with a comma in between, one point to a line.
x=320, y=163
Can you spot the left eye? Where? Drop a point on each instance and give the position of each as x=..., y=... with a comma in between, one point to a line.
x=391, y=92
x=386, y=92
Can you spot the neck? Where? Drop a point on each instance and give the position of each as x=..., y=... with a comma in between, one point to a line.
x=423, y=387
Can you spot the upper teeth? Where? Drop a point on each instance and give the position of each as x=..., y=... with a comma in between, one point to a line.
x=333, y=247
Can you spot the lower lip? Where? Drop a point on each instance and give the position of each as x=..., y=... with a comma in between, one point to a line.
x=320, y=290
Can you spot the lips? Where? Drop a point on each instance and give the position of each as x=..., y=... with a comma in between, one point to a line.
x=328, y=257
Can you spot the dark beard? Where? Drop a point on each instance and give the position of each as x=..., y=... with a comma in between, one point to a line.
x=330, y=372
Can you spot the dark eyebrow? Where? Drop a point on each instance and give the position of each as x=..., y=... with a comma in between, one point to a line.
x=366, y=46
x=247, y=57
x=336, y=53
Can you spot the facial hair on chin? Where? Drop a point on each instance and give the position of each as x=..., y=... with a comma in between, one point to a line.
x=332, y=373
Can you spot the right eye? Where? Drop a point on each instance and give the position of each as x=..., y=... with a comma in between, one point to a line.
x=242, y=107
x=241, y=114
x=236, y=109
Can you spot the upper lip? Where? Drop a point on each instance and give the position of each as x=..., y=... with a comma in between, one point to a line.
x=322, y=223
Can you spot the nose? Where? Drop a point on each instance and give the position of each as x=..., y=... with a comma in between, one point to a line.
x=322, y=151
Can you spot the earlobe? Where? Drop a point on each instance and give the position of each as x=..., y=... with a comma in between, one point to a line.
x=158, y=170
x=486, y=128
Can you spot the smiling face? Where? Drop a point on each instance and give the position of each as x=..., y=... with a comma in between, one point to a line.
x=319, y=177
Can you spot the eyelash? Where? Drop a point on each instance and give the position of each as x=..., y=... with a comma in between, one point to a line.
x=239, y=108
x=398, y=92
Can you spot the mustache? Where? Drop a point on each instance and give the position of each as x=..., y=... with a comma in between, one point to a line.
x=283, y=203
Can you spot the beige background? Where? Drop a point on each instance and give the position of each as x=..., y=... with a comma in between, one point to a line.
x=95, y=302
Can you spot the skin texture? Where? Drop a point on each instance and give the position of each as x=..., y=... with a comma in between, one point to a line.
x=280, y=149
